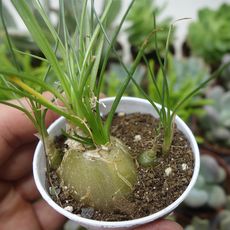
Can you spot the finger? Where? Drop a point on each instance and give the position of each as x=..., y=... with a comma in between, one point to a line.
x=27, y=188
x=19, y=164
x=16, y=129
x=48, y=217
x=161, y=225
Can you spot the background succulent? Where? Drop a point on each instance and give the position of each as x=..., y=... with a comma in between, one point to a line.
x=209, y=36
x=225, y=76
x=221, y=221
x=198, y=224
x=223, y=218
x=216, y=121
x=21, y=38
x=183, y=75
x=116, y=75
x=25, y=63
x=207, y=190
x=141, y=23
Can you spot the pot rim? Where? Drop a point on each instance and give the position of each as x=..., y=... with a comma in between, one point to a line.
x=119, y=224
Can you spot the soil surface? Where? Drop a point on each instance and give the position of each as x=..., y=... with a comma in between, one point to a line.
x=156, y=188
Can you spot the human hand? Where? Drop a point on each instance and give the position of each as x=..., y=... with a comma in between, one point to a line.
x=21, y=207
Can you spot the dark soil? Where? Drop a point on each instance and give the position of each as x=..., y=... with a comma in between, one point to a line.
x=155, y=189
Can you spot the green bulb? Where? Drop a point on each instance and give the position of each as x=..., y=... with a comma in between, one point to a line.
x=100, y=177
x=147, y=158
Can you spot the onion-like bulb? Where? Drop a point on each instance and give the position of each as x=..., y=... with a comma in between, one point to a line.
x=101, y=177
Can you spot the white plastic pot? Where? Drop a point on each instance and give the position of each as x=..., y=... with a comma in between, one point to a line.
x=127, y=105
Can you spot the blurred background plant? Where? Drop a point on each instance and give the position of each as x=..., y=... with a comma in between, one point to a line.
x=209, y=198
x=209, y=36
x=215, y=124
x=33, y=62
x=221, y=221
x=223, y=217
x=224, y=80
x=198, y=223
x=20, y=37
x=140, y=24
x=183, y=75
x=114, y=77
x=208, y=190
x=25, y=64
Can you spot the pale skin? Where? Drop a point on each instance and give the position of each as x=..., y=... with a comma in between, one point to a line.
x=21, y=206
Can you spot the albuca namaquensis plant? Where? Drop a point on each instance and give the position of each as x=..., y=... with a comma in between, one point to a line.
x=94, y=159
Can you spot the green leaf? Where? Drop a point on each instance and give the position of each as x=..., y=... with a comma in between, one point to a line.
x=40, y=39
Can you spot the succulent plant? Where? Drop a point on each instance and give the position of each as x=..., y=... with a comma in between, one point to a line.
x=221, y=221
x=184, y=74
x=224, y=219
x=225, y=76
x=216, y=121
x=114, y=77
x=20, y=37
x=141, y=23
x=207, y=190
x=209, y=36
x=198, y=224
